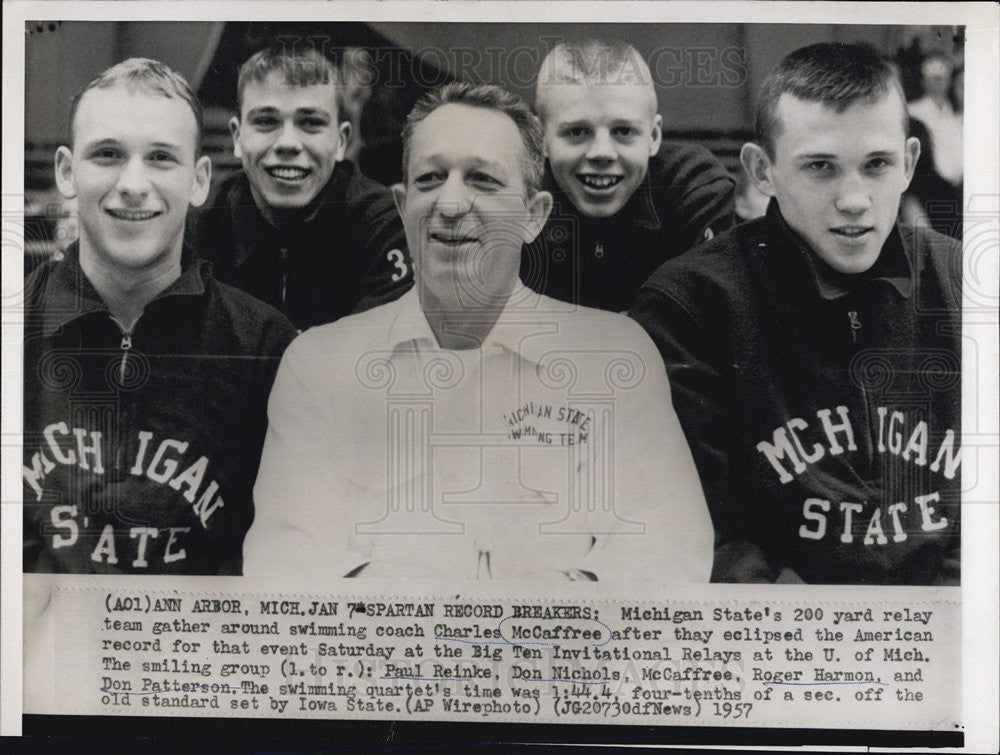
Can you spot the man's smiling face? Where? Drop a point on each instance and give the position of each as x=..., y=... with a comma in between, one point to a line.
x=134, y=171
x=465, y=207
x=599, y=138
x=289, y=140
x=838, y=176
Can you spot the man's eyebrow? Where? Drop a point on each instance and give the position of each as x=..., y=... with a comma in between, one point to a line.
x=112, y=142
x=312, y=111
x=495, y=166
x=106, y=142
x=816, y=156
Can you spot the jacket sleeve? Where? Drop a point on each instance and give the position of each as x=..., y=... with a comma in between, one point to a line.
x=385, y=266
x=705, y=403
x=654, y=523
x=708, y=210
x=300, y=526
x=277, y=335
x=702, y=194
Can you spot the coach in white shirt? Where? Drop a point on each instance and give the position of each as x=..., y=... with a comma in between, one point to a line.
x=474, y=428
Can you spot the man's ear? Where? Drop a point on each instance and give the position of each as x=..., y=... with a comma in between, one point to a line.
x=539, y=207
x=399, y=197
x=234, y=131
x=344, y=137
x=657, y=135
x=758, y=167
x=64, y=172
x=911, y=153
x=202, y=181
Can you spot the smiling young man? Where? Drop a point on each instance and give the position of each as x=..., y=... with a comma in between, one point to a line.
x=814, y=353
x=301, y=228
x=146, y=381
x=626, y=200
x=455, y=431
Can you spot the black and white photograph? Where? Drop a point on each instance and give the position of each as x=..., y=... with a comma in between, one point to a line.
x=347, y=339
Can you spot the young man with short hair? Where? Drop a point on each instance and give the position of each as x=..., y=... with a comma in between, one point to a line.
x=146, y=381
x=626, y=200
x=301, y=228
x=814, y=353
x=455, y=432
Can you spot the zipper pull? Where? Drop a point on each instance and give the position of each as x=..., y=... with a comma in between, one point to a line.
x=855, y=324
x=126, y=345
x=284, y=273
x=599, y=250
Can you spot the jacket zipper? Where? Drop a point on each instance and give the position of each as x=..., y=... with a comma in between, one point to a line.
x=123, y=418
x=855, y=322
x=126, y=345
x=284, y=274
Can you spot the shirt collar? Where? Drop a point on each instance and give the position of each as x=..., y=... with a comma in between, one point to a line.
x=892, y=266
x=69, y=294
x=410, y=329
x=639, y=211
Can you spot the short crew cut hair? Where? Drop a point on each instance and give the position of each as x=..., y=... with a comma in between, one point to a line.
x=299, y=68
x=150, y=76
x=489, y=97
x=836, y=74
x=591, y=61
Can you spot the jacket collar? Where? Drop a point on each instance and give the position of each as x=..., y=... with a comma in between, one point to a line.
x=69, y=294
x=410, y=328
x=639, y=211
x=250, y=228
x=893, y=265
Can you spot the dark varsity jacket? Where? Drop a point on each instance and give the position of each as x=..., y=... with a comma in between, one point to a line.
x=349, y=256
x=141, y=449
x=823, y=417
x=686, y=198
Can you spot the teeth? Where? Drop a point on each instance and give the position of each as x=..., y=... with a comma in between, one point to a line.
x=133, y=214
x=288, y=174
x=599, y=182
x=852, y=232
x=443, y=239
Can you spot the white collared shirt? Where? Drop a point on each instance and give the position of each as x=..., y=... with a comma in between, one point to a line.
x=550, y=448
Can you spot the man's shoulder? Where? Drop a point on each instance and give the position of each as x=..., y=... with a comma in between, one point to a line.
x=251, y=320
x=686, y=165
x=361, y=331
x=935, y=256
x=358, y=193
x=37, y=281
x=928, y=241
x=721, y=263
x=590, y=327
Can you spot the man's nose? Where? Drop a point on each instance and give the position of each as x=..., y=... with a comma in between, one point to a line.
x=455, y=198
x=601, y=147
x=133, y=180
x=853, y=195
x=288, y=139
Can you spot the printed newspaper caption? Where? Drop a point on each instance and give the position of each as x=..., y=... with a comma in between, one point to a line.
x=883, y=664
